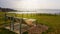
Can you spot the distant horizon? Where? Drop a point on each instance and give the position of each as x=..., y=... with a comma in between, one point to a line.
x=51, y=11
x=32, y=12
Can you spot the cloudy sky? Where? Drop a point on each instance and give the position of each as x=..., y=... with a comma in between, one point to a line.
x=30, y=4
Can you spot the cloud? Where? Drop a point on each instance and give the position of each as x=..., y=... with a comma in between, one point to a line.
x=31, y=4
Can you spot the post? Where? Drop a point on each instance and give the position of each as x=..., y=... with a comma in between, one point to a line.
x=21, y=24
x=12, y=24
x=36, y=16
x=5, y=20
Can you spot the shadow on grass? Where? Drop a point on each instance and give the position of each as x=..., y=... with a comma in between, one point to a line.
x=25, y=32
x=6, y=31
x=50, y=29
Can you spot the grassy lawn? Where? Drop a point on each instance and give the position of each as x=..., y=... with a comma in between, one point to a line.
x=51, y=21
x=2, y=15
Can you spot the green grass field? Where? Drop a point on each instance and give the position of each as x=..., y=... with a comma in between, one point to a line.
x=52, y=21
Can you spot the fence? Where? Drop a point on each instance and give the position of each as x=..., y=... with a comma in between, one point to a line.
x=21, y=22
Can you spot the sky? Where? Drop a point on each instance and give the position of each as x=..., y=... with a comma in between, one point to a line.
x=30, y=4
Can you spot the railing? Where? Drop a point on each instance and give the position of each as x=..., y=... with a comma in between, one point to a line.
x=20, y=23
x=14, y=18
